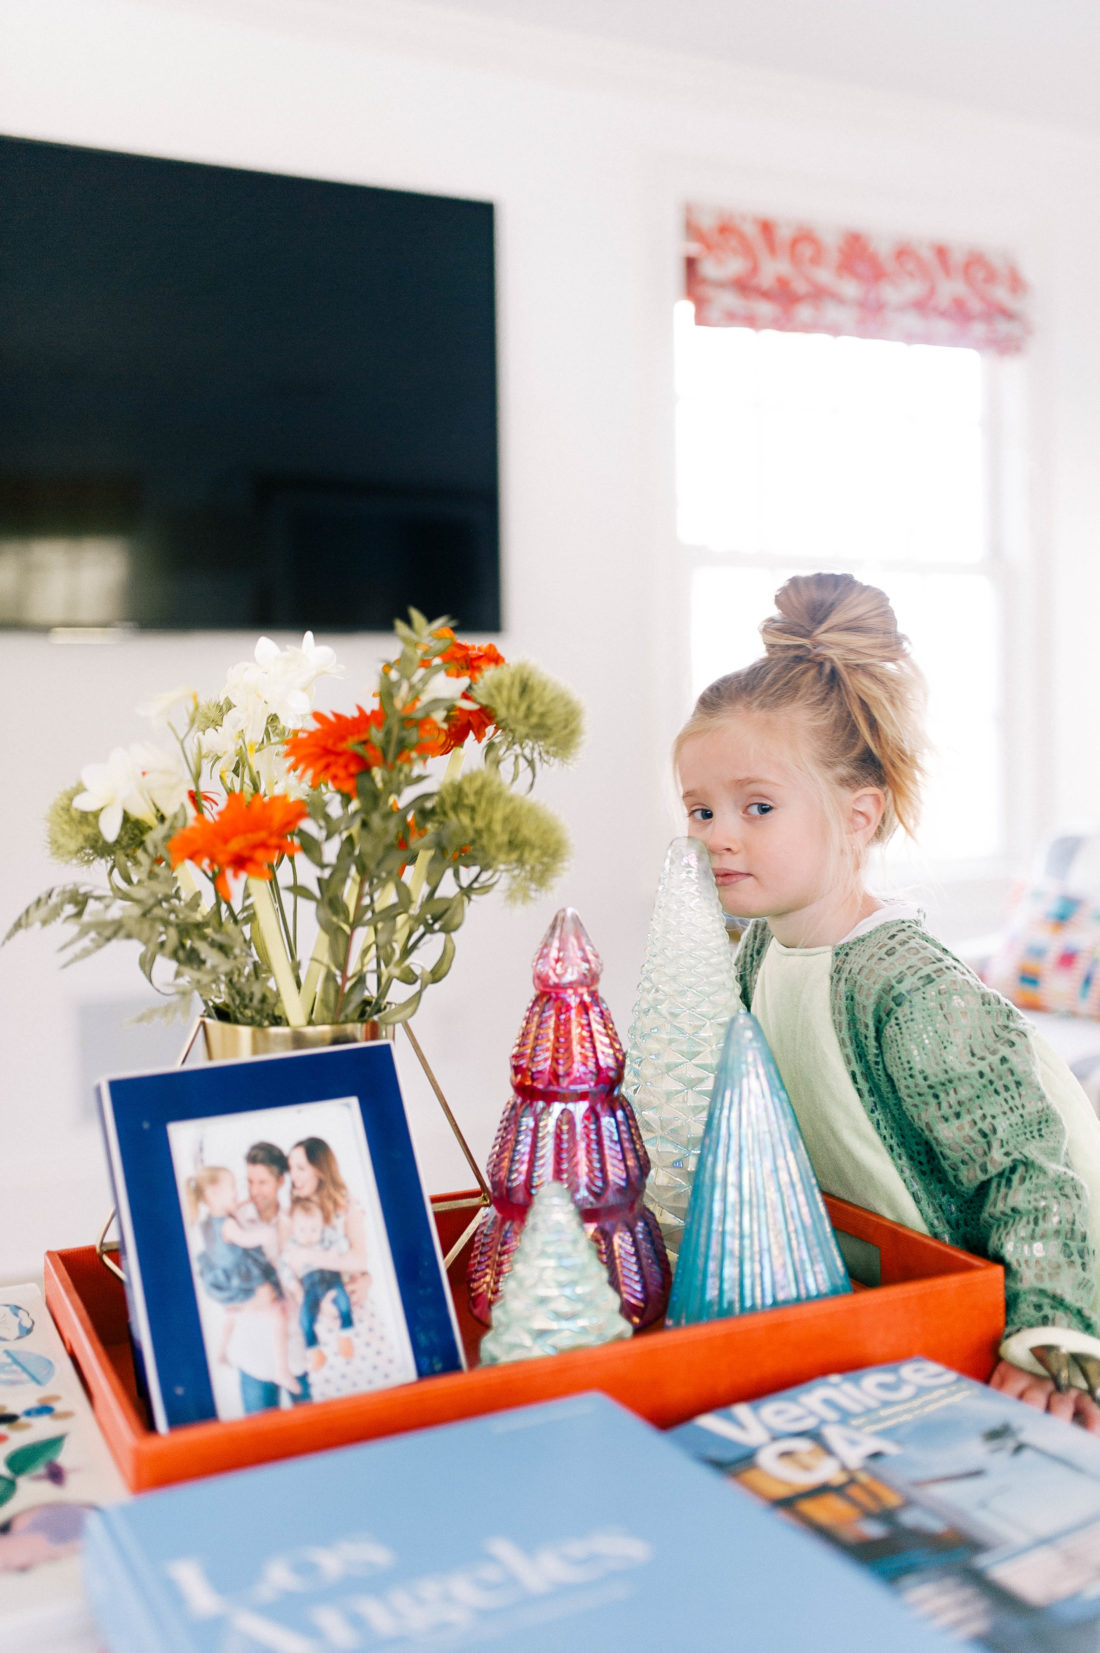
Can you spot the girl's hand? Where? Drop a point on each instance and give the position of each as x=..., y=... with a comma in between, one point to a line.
x=1074, y=1407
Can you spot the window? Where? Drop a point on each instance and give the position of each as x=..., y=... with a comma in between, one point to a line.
x=799, y=451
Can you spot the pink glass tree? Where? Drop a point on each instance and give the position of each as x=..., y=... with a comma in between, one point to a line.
x=568, y=1122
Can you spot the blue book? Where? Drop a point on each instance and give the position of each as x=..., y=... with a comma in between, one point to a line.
x=982, y=1513
x=571, y=1524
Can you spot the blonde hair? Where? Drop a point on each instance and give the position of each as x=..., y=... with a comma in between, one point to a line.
x=835, y=660
x=195, y=1187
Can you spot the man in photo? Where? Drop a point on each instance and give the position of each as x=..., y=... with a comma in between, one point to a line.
x=249, y=1350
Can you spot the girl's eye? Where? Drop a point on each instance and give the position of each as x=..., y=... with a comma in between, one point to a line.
x=759, y=809
x=700, y=813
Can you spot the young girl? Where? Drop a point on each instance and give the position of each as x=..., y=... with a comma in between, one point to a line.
x=921, y=1093
x=232, y=1266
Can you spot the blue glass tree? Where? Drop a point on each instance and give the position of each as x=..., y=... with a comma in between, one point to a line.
x=757, y=1232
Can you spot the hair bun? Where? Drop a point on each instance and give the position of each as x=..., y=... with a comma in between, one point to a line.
x=832, y=619
x=862, y=716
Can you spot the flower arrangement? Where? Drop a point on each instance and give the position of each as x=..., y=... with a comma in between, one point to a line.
x=291, y=866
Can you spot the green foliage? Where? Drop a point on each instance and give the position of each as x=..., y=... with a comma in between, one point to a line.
x=388, y=872
x=185, y=948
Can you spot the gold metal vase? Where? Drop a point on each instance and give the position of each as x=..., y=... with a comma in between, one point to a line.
x=233, y=1041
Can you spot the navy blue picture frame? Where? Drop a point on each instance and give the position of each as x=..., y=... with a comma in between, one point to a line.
x=136, y=1112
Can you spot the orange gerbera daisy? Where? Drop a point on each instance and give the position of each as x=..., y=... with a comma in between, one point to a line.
x=463, y=720
x=466, y=659
x=248, y=835
x=431, y=739
x=337, y=749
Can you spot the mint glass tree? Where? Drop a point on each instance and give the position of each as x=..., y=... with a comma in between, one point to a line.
x=557, y=1295
x=686, y=996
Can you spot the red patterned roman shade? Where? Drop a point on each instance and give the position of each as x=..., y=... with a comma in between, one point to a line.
x=764, y=272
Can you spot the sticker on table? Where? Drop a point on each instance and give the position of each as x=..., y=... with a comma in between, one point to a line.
x=19, y=1366
x=15, y=1322
x=28, y=1416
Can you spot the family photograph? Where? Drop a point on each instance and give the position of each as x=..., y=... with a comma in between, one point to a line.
x=293, y=1276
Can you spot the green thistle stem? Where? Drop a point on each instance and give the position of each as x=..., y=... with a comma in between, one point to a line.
x=354, y=896
x=288, y=939
x=420, y=867
x=268, y=919
x=315, y=970
x=188, y=883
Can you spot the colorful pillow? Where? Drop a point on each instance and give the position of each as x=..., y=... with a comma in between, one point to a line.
x=1049, y=958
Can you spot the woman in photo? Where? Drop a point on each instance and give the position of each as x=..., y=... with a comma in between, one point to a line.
x=373, y=1361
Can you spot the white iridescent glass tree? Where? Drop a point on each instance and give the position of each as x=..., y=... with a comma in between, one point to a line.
x=557, y=1294
x=686, y=996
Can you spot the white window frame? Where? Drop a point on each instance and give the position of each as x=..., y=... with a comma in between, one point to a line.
x=1008, y=564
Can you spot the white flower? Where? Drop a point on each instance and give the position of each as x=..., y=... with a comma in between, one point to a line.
x=310, y=662
x=161, y=707
x=138, y=782
x=221, y=740
x=273, y=773
x=219, y=747
x=164, y=778
x=277, y=682
x=113, y=788
x=256, y=694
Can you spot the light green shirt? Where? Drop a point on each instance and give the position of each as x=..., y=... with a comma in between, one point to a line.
x=791, y=1003
x=923, y=1095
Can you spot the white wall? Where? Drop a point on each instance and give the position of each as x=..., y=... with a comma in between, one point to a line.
x=588, y=152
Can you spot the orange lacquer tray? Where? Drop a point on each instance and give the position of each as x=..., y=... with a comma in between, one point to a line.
x=932, y=1300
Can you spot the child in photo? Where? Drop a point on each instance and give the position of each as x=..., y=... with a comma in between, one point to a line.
x=315, y=1288
x=921, y=1093
x=232, y=1267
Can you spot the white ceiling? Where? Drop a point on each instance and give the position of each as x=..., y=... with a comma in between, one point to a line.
x=1035, y=60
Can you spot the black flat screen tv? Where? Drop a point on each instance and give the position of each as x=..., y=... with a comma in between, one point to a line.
x=233, y=399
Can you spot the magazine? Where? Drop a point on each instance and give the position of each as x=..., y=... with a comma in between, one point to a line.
x=54, y=1470
x=981, y=1512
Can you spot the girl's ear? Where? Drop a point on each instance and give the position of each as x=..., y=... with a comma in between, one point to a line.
x=865, y=811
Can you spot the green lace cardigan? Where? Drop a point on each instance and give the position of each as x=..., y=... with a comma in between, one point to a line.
x=944, y=1068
